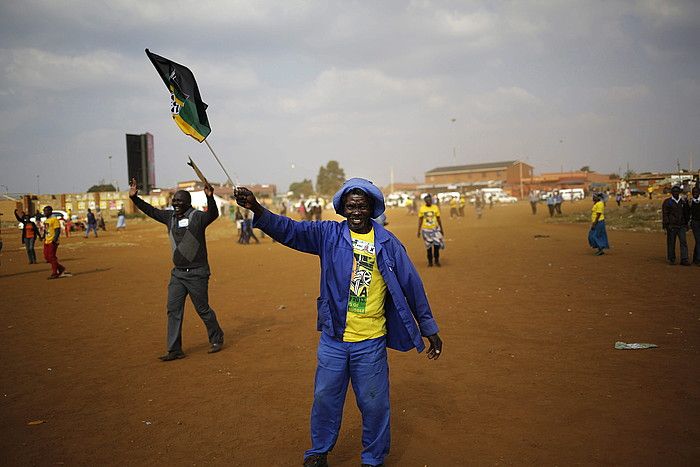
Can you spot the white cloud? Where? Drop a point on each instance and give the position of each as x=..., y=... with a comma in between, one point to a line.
x=361, y=89
x=505, y=100
x=627, y=93
x=42, y=70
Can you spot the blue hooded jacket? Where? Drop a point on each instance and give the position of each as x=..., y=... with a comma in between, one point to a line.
x=406, y=308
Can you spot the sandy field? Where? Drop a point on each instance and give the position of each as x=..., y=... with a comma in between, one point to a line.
x=528, y=376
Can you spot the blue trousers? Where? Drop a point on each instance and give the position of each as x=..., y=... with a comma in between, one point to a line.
x=90, y=227
x=365, y=365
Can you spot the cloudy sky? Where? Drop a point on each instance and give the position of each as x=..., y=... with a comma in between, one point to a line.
x=374, y=85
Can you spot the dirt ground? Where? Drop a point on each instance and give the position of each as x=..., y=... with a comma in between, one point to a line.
x=529, y=375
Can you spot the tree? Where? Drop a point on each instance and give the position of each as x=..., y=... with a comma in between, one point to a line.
x=614, y=177
x=586, y=168
x=330, y=178
x=629, y=174
x=304, y=187
x=101, y=187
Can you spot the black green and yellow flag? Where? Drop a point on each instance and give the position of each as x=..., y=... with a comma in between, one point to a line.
x=189, y=112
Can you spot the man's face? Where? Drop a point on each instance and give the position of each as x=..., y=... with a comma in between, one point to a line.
x=47, y=211
x=428, y=200
x=358, y=210
x=181, y=203
x=696, y=192
x=675, y=192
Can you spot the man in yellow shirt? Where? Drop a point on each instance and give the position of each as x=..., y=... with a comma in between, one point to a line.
x=430, y=227
x=52, y=233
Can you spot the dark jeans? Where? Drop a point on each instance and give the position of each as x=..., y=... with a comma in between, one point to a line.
x=534, y=207
x=551, y=209
x=434, y=251
x=695, y=225
x=29, y=245
x=672, y=232
x=90, y=227
x=195, y=282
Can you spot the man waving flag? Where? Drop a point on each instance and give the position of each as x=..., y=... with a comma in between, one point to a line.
x=189, y=112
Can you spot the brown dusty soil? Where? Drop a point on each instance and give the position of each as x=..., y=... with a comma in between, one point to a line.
x=528, y=376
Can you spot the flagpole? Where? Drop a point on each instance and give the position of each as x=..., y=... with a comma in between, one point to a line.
x=235, y=185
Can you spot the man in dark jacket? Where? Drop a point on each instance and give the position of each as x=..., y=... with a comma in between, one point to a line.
x=675, y=217
x=186, y=229
x=371, y=298
x=695, y=222
x=91, y=223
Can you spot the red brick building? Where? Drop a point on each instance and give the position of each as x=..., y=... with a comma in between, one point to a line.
x=505, y=174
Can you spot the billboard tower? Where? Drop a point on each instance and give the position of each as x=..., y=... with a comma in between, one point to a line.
x=141, y=161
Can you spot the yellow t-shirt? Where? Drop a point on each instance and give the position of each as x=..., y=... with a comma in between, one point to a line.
x=50, y=226
x=429, y=216
x=598, y=207
x=365, y=316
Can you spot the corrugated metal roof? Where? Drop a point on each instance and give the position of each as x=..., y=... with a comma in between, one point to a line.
x=471, y=167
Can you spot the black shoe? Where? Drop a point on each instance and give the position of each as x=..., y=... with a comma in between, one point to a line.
x=685, y=263
x=437, y=263
x=216, y=347
x=671, y=262
x=174, y=355
x=599, y=253
x=316, y=460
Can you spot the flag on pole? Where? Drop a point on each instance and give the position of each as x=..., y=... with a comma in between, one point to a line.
x=189, y=112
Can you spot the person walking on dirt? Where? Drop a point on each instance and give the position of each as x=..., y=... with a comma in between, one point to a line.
x=430, y=228
x=558, y=200
x=695, y=222
x=371, y=298
x=534, y=199
x=550, y=203
x=91, y=223
x=675, y=214
x=30, y=232
x=190, y=274
x=100, y=220
x=121, y=219
x=52, y=234
x=597, y=236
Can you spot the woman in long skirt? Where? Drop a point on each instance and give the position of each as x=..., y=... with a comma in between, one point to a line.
x=597, y=236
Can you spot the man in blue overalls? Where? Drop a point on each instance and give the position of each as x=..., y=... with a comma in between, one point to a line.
x=371, y=298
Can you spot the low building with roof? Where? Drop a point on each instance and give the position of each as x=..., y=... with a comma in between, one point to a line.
x=509, y=175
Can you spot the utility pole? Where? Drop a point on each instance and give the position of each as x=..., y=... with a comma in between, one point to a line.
x=454, y=143
x=37, y=184
x=391, y=178
x=520, y=163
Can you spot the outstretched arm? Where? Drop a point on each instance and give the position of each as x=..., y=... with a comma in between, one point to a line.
x=146, y=208
x=212, y=209
x=302, y=236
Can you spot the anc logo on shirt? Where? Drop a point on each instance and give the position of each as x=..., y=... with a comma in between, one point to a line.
x=364, y=258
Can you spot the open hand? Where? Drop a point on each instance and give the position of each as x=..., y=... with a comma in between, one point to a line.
x=133, y=189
